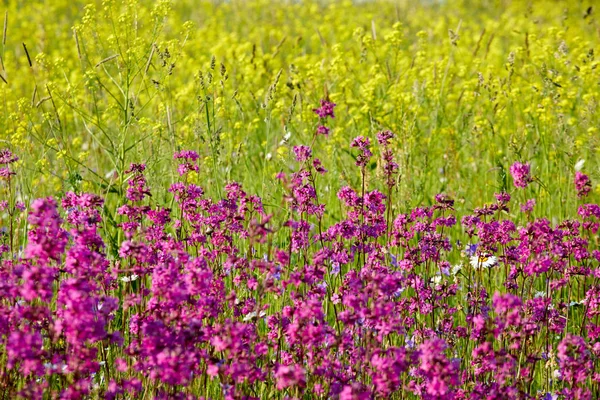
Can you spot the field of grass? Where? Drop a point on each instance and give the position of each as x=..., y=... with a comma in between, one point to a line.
x=299, y=199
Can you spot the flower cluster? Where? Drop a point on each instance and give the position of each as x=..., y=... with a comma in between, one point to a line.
x=583, y=185
x=324, y=112
x=521, y=174
x=213, y=294
x=6, y=158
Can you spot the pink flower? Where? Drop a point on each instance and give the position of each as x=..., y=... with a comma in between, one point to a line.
x=303, y=153
x=322, y=130
x=362, y=143
x=384, y=137
x=326, y=109
x=521, y=174
x=528, y=206
x=290, y=375
x=582, y=184
x=7, y=157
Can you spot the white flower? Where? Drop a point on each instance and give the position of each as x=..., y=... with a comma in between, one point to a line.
x=285, y=139
x=253, y=315
x=437, y=279
x=249, y=316
x=556, y=374
x=483, y=261
x=56, y=367
x=576, y=303
x=456, y=269
x=130, y=278
x=579, y=165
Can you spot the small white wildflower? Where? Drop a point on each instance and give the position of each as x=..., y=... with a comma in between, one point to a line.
x=456, y=269
x=130, y=278
x=285, y=139
x=269, y=156
x=483, y=261
x=250, y=316
x=556, y=374
x=579, y=165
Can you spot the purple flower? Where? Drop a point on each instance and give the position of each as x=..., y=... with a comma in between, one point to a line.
x=582, y=184
x=303, y=153
x=289, y=376
x=521, y=174
x=470, y=249
x=190, y=157
x=326, y=109
x=362, y=143
x=7, y=157
x=318, y=166
x=186, y=155
x=440, y=373
x=6, y=173
x=384, y=137
x=502, y=197
x=528, y=206
x=137, y=188
x=322, y=130
x=574, y=359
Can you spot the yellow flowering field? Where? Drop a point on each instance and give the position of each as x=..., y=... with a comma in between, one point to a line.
x=468, y=88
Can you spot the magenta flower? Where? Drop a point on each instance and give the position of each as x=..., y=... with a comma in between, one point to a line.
x=440, y=373
x=303, y=153
x=137, y=188
x=362, y=143
x=189, y=157
x=322, y=130
x=502, y=197
x=318, y=166
x=186, y=155
x=583, y=184
x=574, y=359
x=6, y=173
x=326, y=109
x=521, y=174
x=528, y=206
x=7, y=157
x=290, y=375
x=384, y=137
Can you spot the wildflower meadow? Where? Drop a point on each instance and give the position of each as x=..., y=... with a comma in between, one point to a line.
x=299, y=200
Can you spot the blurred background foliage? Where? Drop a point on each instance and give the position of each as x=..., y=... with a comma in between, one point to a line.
x=468, y=88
